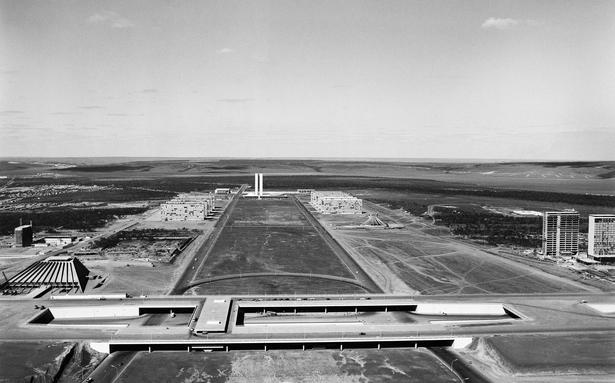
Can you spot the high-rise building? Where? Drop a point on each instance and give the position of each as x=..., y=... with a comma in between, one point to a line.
x=601, y=237
x=560, y=233
x=23, y=236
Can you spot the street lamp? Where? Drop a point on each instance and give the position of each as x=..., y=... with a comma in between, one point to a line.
x=453, y=361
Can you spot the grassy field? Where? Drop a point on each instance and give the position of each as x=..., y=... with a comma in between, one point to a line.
x=267, y=213
x=69, y=218
x=277, y=285
x=323, y=366
x=271, y=236
x=23, y=361
x=264, y=249
x=545, y=355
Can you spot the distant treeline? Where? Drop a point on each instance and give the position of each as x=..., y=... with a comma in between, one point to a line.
x=494, y=229
x=184, y=184
x=434, y=187
x=76, y=219
x=115, y=195
x=414, y=208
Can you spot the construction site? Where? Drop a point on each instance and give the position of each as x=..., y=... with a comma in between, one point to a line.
x=307, y=271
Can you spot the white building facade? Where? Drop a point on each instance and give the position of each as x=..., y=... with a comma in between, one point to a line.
x=601, y=237
x=188, y=207
x=335, y=202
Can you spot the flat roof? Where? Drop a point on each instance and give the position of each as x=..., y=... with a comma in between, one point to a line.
x=58, y=258
x=214, y=315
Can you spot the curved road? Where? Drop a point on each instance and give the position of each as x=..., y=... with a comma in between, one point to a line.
x=273, y=274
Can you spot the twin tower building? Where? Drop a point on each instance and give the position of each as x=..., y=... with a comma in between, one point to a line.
x=560, y=233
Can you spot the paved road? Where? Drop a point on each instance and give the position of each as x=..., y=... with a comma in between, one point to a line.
x=112, y=367
x=194, y=268
x=274, y=274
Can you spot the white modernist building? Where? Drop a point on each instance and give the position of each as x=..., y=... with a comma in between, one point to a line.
x=560, y=233
x=188, y=207
x=335, y=202
x=601, y=237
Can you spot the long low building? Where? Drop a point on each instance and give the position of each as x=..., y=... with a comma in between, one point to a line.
x=57, y=271
x=188, y=207
x=335, y=202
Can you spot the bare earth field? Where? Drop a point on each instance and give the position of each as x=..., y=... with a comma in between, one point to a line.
x=365, y=366
x=432, y=264
x=272, y=236
x=139, y=277
x=530, y=358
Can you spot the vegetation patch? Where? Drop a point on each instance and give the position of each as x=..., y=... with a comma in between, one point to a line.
x=76, y=219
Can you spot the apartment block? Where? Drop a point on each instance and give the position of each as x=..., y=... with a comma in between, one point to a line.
x=335, y=202
x=560, y=233
x=188, y=207
x=601, y=237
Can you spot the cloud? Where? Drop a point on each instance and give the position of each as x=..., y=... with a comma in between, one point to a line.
x=225, y=51
x=508, y=23
x=7, y=112
x=110, y=19
x=235, y=100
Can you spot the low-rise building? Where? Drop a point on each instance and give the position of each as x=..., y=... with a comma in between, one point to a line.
x=59, y=240
x=335, y=202
x=57, y=271
x=305, y=191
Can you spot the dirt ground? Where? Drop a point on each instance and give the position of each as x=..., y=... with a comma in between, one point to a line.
x=353, y=366
x=435, y=264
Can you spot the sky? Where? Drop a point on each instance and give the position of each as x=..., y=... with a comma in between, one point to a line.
x=308, y=78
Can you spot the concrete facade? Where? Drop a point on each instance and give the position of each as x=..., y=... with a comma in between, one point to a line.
x=601, y=237
x=23, y=236
x=188, y=207
x=560, y=233
x=335, y=202
x=65, y=272
x=59, y=241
